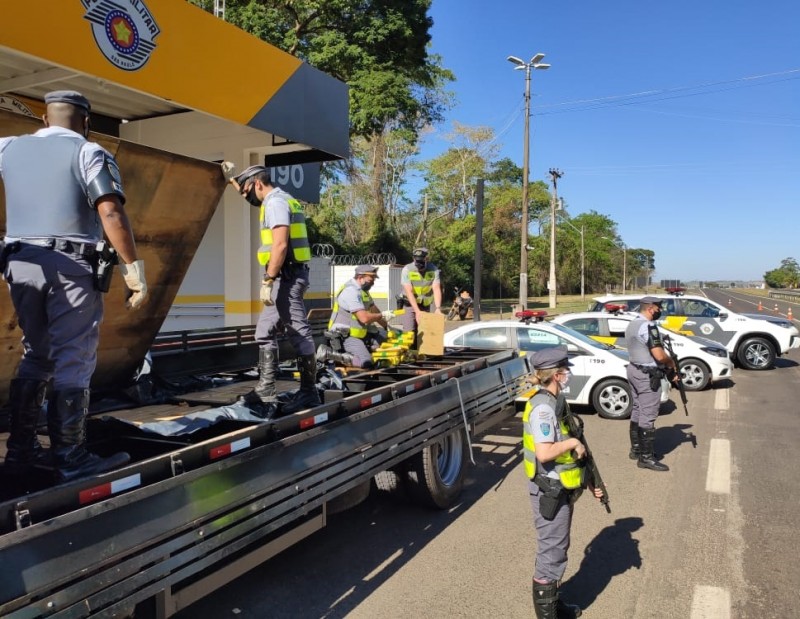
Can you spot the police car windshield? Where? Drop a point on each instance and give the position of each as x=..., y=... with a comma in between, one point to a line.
x=580, y=336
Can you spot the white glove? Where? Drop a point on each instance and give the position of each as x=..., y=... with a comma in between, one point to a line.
x=387, y=315
x=133, y=274
x=266, y=291
x=228, y=170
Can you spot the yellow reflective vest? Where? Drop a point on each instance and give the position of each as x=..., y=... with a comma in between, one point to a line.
x=422, y=283
x=343, y=318
x=570, y=471
x=298, y=235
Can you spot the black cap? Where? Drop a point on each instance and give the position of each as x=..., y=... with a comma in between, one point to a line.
x=554, y=357
x=68, y=96
x=367, y=269
x=420, y=252
x=249, y=173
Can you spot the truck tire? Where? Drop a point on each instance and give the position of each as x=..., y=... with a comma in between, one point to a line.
x=393, y=482
x=612, y=399
x=756, y=353
x=436, y=474
x=694, y=374
x=349, y=499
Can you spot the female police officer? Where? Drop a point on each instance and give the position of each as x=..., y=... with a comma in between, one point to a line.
x=555, y=479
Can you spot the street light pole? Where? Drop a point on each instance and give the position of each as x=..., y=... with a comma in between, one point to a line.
x=535, y=63
x=551, y=284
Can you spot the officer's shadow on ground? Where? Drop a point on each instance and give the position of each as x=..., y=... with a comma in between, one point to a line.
x=613, y=551
x=669, y=438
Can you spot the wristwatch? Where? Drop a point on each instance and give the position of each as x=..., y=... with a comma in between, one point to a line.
x=269, y=278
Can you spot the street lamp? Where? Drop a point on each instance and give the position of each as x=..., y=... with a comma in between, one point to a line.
x=624, y=249
x=535, y=63
x=583, y=257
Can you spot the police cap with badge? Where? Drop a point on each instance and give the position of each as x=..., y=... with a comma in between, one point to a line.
x=367, y=269
x=549, y=358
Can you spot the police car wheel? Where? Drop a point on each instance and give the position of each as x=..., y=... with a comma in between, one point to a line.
x=756, y=353
x=612, y=399
x=694, y=374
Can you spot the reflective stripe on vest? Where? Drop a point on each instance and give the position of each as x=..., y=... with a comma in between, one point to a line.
x=298, y=235
x=348, y=320
x=423, y=286
x=569, y=470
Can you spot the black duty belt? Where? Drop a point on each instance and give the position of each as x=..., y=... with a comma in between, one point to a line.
x=647, y=369
x=87, y=248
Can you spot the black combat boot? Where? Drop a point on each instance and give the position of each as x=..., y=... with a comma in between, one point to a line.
x=326, y=353
x=635, y=446
x=263, y=400
x=647, y=459
x=66, y=424
x=547, y=604
x=25, y=400
x=307, y=396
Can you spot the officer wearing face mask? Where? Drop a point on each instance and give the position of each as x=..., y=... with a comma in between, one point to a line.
x=353, y=313
x=285, y=254
x=649, y=363
x=63, y=193
x=423, y=289
x=552, y=460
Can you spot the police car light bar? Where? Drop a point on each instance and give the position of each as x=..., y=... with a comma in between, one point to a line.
x=675, y=291
x=613, y=308
x=531, y=315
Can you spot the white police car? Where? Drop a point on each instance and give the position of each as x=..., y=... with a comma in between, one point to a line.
x=701, y=361
x=753, y=342
x=598, y=373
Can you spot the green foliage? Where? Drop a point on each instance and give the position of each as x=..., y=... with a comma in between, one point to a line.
x=787, y=275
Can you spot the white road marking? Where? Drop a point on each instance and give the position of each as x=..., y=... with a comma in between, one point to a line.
x=710, y=603
x=718, y=477
x=722, y=399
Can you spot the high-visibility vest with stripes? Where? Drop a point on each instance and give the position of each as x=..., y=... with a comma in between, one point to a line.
x=569, y=470
x=342, y=318
x=422, y=283
x=298, y=235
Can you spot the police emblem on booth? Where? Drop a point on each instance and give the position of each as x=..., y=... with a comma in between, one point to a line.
x=124, y=31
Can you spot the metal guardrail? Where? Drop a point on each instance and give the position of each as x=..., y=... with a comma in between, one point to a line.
x=786, y=295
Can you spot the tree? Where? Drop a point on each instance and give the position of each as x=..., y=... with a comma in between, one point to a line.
x=787, y=275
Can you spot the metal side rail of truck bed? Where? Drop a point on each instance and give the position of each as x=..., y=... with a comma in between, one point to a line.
x=162, y=532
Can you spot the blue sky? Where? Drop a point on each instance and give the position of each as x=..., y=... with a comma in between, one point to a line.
x=705, y=171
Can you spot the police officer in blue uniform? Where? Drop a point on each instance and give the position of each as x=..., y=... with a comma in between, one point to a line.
x=285, y=254
x=356, y=316
x=556, y=479
x=649, y=363
x=62, y=193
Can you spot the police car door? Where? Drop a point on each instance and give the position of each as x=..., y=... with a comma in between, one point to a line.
x=705, y=320
x=531, y=338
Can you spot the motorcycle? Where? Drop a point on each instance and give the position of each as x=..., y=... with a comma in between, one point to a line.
x=462, y=304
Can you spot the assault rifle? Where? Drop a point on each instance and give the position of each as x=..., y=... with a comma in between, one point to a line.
x=681, y=389
x=575, y=425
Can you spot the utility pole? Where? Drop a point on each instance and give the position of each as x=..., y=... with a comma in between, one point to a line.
x=555, y=174
x=519, y=64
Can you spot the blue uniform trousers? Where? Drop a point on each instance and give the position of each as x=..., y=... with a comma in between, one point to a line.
x=646, y=402
x=59, y=312
x=552, y=539
x=289, y=313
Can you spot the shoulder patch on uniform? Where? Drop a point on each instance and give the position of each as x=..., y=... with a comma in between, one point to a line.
x=545, y=428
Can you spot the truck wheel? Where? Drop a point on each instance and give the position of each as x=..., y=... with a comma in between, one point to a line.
x=612, y=399
x=756, y=353
x=393, y=482
x=436, y=474
x=351, y=498
x=694, y=374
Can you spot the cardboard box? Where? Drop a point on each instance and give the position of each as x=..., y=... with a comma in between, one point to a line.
x=430, y=334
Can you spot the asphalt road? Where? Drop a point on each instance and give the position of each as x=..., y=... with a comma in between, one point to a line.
x=714, y=537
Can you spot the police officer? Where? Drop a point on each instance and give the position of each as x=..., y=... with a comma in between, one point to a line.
x=355, y=313
x=285, y=254
x=649, y=363
x=555, y=476
x=62, y=193
x=420, y=281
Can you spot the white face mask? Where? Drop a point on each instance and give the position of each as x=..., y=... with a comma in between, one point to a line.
x=563, y=379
